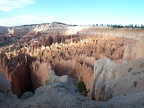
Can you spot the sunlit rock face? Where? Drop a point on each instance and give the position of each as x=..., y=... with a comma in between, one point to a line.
x=54, y=28
x=76, y=57
x=111, y=80
x=117, y=32
x=76, y=70
x=134, y=51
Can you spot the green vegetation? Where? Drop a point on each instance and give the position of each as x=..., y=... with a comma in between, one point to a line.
x=82, y=88
x=121, y=26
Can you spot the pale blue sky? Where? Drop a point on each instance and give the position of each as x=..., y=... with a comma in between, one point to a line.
x=19, y=12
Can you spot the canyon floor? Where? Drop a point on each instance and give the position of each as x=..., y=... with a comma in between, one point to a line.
x=62, y=66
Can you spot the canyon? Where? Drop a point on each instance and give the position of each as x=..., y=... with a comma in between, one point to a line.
x=41, y=65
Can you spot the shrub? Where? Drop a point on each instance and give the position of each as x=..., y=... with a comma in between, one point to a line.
x=82, y=88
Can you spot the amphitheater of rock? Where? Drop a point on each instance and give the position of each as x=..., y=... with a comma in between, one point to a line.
x=109, y=61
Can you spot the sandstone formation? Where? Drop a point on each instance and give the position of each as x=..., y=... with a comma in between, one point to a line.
x=76, y=70
x=39, y=73
x=44, y=64
x=24, y=73
x=134, y=51
x=75, y=59
x=55, y=28
x=111, y=80
x=117, y=32
x=17, y=71
x=61, y=92
x=7, y=98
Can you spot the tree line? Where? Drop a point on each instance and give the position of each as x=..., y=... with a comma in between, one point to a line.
x=121, y=26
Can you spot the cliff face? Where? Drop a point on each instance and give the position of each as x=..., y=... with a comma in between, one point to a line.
x=39, y=73
x=8, y=99
x=61, y=91
x=17, y=71
x=134, y=51
x=117, y=32
x=76, y=57
x=55, y=29
x=50, y=28
x=24, y=72
x=111, y=80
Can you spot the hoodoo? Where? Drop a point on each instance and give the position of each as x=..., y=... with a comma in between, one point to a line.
x=60, y=65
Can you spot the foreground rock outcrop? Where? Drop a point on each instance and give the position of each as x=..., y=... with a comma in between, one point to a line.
x=111, y=80
x=134, y=100
x=61, y=92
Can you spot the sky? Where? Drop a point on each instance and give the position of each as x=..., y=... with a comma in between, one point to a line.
x=81, y=12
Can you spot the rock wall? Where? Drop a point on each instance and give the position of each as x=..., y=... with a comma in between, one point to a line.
x=111, y=80
x=76, y=70
x=117, y=32
x=5, y=87
x=61, y=91
x=76, y=58
x=24, y=72
x=63, y=29
x=134, y=51
x=39, y=73
x=50, y=28
x=17, y=71
x=7, y=98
